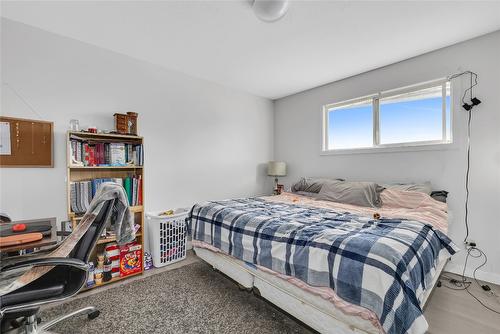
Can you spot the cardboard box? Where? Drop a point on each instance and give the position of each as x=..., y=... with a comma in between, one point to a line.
x=130, y=259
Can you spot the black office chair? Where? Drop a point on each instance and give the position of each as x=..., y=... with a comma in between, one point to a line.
x=19, y=308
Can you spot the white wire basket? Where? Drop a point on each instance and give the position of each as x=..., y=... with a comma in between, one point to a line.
x=167, y=237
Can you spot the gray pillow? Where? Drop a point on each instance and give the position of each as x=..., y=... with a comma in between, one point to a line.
x=356, y=193
x=425, y=187
x=307, y=194
x=311, y=184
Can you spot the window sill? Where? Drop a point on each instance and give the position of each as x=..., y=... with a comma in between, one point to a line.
x=393, y=149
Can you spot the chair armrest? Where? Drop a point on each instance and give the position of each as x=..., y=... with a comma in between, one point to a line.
x=48, y=261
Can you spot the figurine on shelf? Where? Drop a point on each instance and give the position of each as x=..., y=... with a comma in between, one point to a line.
x=100, y=262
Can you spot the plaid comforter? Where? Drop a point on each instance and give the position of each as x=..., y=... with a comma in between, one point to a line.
x=383, y=265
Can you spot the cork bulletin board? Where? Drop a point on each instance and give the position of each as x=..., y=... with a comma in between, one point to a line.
x=26, y=142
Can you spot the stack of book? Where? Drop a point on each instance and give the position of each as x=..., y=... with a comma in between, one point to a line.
x=82, y=192
x=106, y=154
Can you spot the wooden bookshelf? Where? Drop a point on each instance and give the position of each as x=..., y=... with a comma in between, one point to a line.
x=84, y=173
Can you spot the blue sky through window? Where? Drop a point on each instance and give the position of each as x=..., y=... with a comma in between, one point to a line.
x=350, y=127
x=412, y=121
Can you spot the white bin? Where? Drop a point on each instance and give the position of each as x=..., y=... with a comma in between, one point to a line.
x=167, y=236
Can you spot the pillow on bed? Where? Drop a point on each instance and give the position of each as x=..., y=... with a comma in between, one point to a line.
x=440, y=195
x=425, y=187
x=355, y=193
x=311, y=184
x=307, y=194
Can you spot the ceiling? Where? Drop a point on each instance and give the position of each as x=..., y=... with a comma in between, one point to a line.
x=223, y=42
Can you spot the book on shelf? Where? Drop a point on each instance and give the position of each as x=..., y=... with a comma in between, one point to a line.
x=128, y=187
x=90, y=153
x=82, y=192
x=117, y=154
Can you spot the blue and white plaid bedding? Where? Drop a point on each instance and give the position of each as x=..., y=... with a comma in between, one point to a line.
x=383, y=265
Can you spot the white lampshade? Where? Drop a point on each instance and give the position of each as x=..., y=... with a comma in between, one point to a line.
x=276, y=168
x=270, y=10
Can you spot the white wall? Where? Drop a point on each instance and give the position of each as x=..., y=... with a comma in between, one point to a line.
x=202, y=141
x=298, y=137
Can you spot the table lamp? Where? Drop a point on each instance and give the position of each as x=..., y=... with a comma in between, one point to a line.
x=276, y=168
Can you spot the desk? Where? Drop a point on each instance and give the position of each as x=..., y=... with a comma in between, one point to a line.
x=45, y=241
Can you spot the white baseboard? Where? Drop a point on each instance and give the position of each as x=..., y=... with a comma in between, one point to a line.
x=480, y=275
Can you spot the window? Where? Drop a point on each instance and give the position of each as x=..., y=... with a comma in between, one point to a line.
x=351, y=126
x=418, y=115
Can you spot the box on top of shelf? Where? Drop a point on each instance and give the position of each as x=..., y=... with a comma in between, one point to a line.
x=126, y=123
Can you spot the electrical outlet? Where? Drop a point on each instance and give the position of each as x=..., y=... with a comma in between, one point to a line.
x=470, y=243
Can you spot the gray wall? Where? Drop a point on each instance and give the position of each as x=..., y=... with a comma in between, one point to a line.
x=202, y=141
x=298, y=137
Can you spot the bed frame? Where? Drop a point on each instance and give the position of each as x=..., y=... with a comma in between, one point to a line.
x=312, y=310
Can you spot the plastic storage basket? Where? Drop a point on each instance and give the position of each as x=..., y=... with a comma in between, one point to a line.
x=167, y=236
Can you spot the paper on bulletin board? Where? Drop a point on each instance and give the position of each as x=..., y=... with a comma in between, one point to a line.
x=5, y=138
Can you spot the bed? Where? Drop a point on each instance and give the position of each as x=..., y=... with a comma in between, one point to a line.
x=338, y=268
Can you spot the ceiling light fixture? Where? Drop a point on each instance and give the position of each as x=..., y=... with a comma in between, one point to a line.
x=270, y=10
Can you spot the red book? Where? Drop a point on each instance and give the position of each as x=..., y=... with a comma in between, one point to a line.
x=86, y=150
x=91, y=155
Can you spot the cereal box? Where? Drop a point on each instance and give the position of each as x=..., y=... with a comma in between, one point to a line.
x=130, y=259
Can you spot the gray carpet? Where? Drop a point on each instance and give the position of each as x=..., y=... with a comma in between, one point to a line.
x=191, y=299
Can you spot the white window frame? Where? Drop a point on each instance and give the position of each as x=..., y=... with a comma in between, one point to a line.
x=406, y=146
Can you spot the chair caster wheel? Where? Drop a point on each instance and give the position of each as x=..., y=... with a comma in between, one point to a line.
x=38, y=320
x=93, y=314
x=16, y=323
